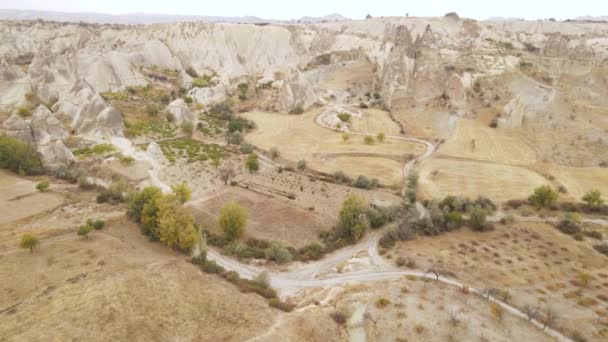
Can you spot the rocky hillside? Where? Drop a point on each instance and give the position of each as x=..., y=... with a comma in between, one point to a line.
x=527, y=72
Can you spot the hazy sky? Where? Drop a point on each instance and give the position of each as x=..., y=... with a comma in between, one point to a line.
x=289, y=9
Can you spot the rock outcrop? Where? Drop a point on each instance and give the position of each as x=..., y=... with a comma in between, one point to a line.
x=180, y=111
x=16, y=127
x=86, y=112
x=209, y=95
x=46, y=128
x=297, y=92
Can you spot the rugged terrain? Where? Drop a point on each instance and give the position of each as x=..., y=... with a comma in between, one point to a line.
x=492, y=108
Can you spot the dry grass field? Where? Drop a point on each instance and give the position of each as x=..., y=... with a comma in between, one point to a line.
x=580, y=180
x=268, y=218
x=440, y=177
x=374, y=121
x=474, y=140
x=117, y=285
x=535, y=263
x=299, y=137
x=19, y=198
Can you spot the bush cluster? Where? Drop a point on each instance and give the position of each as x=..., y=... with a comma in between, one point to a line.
x=19, y=157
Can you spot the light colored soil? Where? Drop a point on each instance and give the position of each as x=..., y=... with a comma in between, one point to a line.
x=440, y=177
x=416, y=311
x=490, y=145
x=351, y=74
x=299, y=137
x=536, y=263
x=19, y=198
x=268, y=218
x=119, y=286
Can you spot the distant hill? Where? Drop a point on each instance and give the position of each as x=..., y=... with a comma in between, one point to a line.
x=593, y=18
x=147, y=18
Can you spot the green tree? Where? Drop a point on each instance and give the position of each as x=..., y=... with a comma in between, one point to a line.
x=543, y=196
x=29, y=241
x=175, y=224
x=149, y=216
x=233, y=220
x=593, y=198
x=182, y=192
x=252, y=163
x=42, y=186
x=352, y=221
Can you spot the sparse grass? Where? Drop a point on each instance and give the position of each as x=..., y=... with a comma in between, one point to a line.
x=95, y=150
x=191, y=149
x=381, y=303
x=211, y=125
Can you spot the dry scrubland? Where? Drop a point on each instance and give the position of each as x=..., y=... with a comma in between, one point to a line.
x=535, y=263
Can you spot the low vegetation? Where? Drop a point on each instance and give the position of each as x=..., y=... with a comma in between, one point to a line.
x=19, y=157
x=29, y=241
x=156, y=129
x=95, y=150
x=190, y=149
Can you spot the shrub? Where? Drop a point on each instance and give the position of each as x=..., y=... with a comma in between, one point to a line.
x=233, y=220
x=352, y=222
x=569, y=227
x=222, y=111
x=594, y=234
x=252, y=163
x=344, y=117
x=274, y=153
x=151, y=110
x=114, y=193
x=368, y=140
x=301, y=164
x=125, y=160
x=240, y=124
x=29, y=241
x=593, y=199
x=84, y=230
x=401, y=261
x=477, y=219
x=97, y=224
x=283, y=306
x=341, y=178
x=246, y=148
x=182, y=192
x=363, y=182
x=377, y=217
x=338, y=317
x=312, y=251
x=42, y=186
x=543, y=197
x=603, y=249
x=210, y=266
x=19, y=157
x=380, y=137
x=188, y=99
x=363, y=105
x=382, y=303
x=297, y=110
x=234, y=138
x=187, y=127
x=345, y=137
x=278, y=253
x=453, y=220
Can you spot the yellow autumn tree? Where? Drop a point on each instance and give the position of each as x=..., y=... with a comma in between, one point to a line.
x=175, y=224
